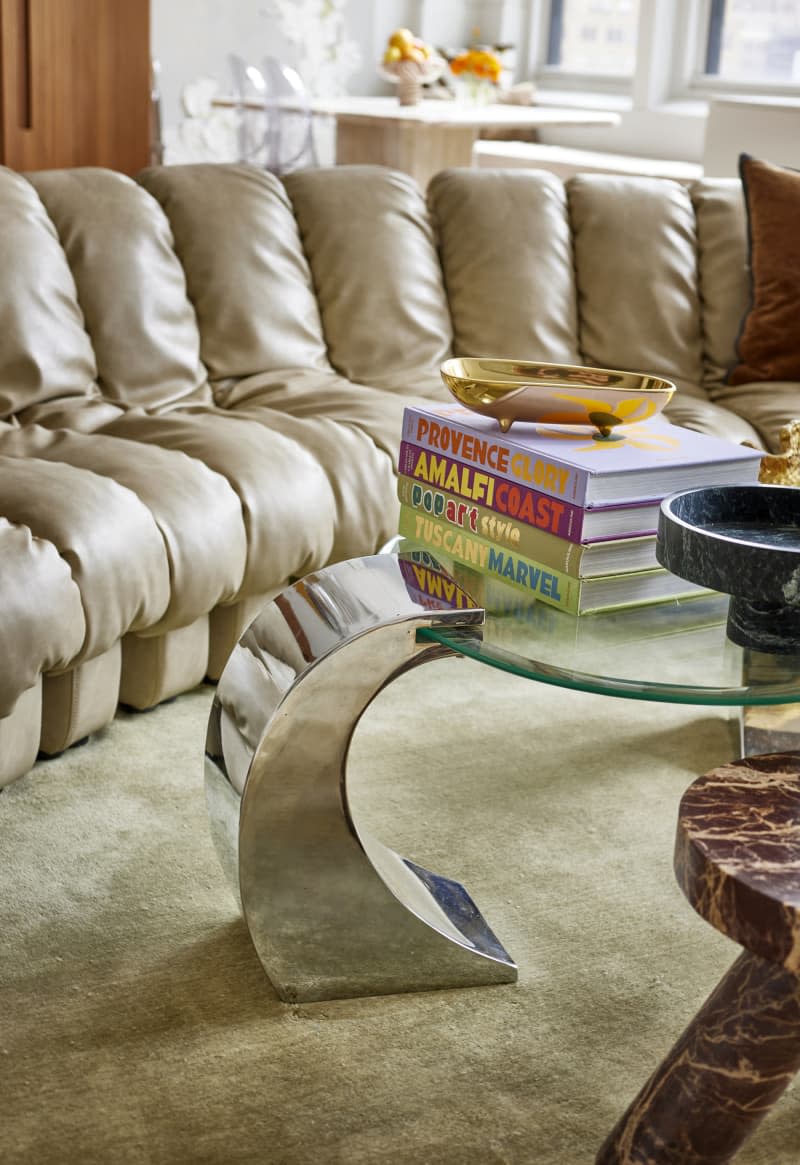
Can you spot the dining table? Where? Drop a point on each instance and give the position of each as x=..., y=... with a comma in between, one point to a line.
x=436, y=133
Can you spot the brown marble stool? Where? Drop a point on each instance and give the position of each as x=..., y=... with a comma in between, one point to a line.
x=737, y=859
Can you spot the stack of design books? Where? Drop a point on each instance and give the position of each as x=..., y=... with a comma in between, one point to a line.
x=568, y=517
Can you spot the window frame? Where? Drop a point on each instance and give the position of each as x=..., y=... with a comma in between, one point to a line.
x=677, y=57
x=550, y=21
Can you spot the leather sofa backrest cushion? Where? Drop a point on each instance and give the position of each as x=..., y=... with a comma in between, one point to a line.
x=372, y=251
x=722, y=262
x=506, y=253
x=45, y=353
x=246, y=273
x=130, y=284
x=635, y=248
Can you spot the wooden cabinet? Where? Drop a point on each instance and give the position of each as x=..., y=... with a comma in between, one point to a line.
x=75, y=84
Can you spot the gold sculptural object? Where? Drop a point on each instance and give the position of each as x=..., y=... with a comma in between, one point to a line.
x=556, y=394
x=783, y=468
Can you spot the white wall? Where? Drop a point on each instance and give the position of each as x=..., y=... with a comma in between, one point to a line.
x=192, y=38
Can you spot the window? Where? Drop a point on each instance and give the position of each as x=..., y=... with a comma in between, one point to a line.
x=754, y=40
x=593, y=36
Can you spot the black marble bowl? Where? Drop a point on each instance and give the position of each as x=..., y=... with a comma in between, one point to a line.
x=743, y=540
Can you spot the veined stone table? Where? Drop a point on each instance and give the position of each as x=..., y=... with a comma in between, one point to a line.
x=436, y=134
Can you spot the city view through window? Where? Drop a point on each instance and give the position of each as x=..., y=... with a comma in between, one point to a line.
x=759, y=40
x=744, y=40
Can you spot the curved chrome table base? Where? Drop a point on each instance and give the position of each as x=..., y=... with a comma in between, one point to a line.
x=332, y=911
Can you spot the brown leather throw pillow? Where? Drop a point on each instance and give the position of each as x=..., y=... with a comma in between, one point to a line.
x=768, y=347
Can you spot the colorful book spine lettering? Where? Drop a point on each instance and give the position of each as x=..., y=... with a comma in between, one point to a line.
x=496, y=456
x=551, y=586
x=509, y=498
x=539, y=544
x=431, y=588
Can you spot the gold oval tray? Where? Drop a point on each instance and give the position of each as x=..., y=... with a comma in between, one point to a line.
x=556, y=394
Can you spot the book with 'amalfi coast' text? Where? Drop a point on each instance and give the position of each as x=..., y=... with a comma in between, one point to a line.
x=636, y=462
x=579, y=559
x=519, y=503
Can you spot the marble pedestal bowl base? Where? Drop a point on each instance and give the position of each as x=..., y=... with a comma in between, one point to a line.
x=743, y=540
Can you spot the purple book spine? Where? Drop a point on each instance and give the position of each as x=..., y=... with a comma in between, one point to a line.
x=493, y=454
x=500, y=494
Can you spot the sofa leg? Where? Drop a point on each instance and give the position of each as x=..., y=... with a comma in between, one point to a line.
x=80, y=701
x=19, y=735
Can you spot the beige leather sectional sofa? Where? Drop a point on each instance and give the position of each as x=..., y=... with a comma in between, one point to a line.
x=203, y=372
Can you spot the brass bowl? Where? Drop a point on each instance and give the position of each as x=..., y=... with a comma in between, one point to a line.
x=556, y=394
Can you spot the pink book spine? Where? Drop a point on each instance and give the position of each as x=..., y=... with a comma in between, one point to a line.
x=502, y=495
x=494, y=454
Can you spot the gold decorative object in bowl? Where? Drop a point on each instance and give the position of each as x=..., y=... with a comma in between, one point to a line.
x=783, y=468
x=556, y=394
x=412, y=63
x=410, y=76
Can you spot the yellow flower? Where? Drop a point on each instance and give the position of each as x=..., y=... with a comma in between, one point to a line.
x=479, y=62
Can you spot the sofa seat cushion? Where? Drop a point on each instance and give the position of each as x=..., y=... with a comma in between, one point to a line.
x=768, y=347
x=360, y=476
x=353, y=431
x=43, y=627
x=288, y=506
x=308, y=394
x=767, y=405
x=707, y=417
x=105, y=534
x=196, y=511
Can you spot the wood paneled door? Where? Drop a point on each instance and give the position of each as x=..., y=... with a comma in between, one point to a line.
x=75, y=84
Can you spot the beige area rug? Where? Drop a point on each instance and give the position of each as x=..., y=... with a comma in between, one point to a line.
x=136, y=1024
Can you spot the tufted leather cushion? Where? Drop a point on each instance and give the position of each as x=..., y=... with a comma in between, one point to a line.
x=45, y=353
x=130, y=284
x=506, y=252
x=42, y=626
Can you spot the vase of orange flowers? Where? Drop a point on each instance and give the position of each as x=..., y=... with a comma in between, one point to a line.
x=478, y=71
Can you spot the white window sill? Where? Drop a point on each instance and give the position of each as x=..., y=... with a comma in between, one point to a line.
x=616, y=103
x=583, y=99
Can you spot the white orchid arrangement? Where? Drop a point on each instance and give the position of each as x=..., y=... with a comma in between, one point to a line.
x=328, y=58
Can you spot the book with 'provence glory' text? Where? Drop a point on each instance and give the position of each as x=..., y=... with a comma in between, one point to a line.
x=635, y=463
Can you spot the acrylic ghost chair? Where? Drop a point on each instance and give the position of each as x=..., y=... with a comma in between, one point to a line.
x=276, y=128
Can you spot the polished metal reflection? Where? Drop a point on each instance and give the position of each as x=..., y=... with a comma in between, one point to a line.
x=331, y=910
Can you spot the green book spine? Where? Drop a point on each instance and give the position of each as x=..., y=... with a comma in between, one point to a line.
x=538, y=581
x=552, y=551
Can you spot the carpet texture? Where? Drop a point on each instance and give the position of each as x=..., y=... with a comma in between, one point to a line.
x=136, y=1023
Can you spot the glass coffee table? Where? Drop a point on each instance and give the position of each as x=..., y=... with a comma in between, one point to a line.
x=332, y=911
x=674, y=652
